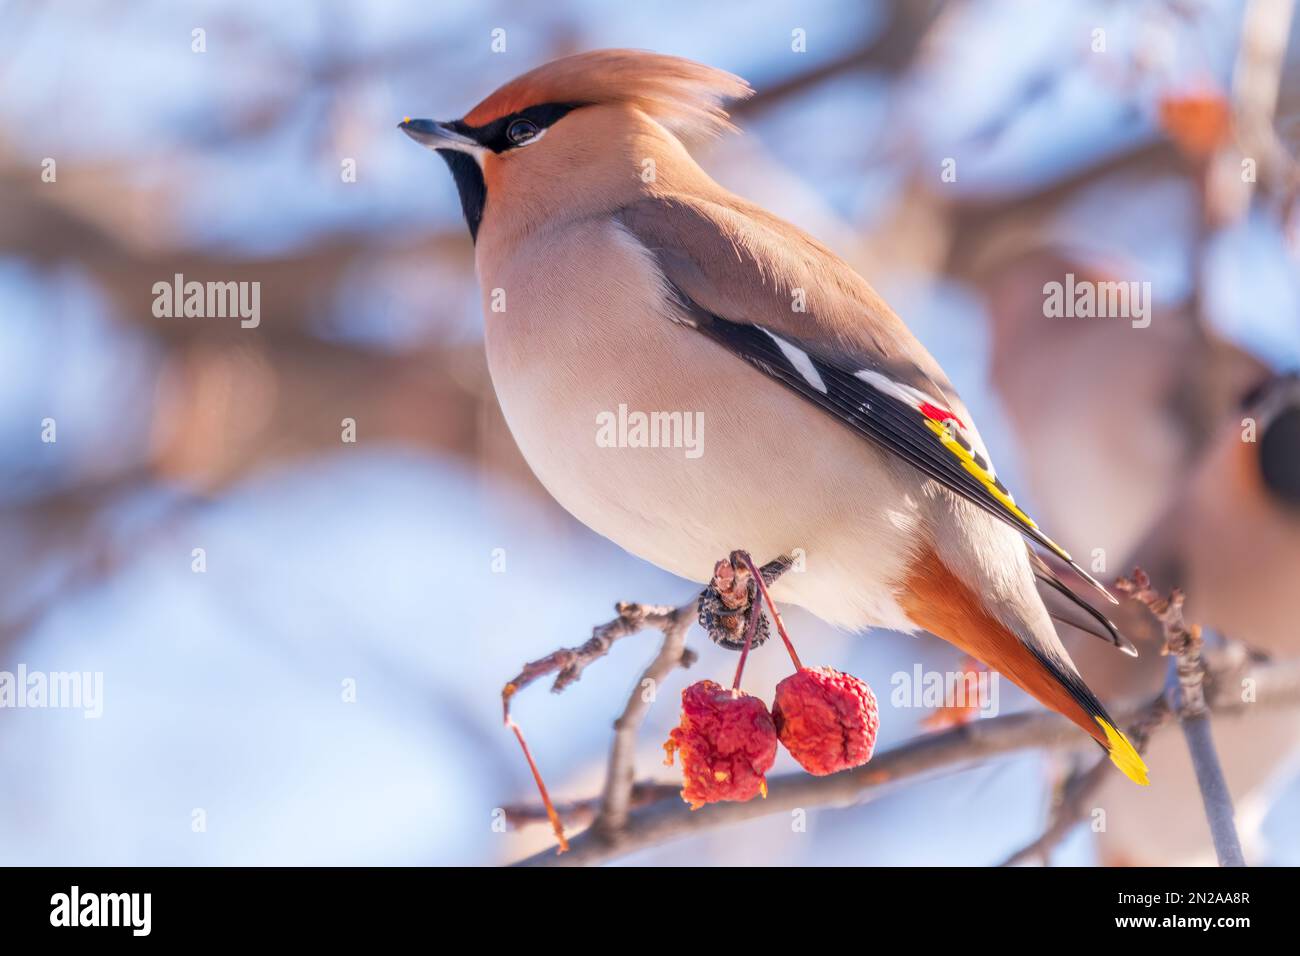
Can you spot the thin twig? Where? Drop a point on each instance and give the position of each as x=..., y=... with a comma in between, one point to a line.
x=568, y=664
x=621, y=772
x=571, y=661
x=1076, y=792
x=580, y=813
x=1070, y=807
x=1187, y=692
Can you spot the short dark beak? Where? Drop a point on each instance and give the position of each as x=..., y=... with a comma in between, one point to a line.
x=436, y=135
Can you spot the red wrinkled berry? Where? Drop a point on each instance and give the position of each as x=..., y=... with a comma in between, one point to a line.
x=826, y=719
x=727, y=743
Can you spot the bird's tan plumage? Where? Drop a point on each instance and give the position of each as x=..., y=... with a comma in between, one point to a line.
x=941, y=603
x=684, y=96
x=611, y=247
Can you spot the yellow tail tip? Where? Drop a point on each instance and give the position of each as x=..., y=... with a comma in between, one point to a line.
x=1124, y=755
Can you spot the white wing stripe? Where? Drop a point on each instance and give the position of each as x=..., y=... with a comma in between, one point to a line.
x=800, y=360
x=890, y=387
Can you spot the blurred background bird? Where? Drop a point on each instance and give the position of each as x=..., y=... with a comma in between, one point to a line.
x=1025, y=142
x=1231, y=538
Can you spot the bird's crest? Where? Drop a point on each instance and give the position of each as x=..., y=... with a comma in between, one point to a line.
x=685, y=96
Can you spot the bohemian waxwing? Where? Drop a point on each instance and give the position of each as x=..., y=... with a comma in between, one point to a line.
x=620, y=280
x=1229, y=535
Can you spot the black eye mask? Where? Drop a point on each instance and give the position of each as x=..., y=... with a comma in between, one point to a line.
x=495, y=135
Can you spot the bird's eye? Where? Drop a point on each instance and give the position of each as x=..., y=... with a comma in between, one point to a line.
x=521, y=131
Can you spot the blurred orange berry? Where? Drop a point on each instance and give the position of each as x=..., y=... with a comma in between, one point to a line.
x=1198, y=122
x=952, y=713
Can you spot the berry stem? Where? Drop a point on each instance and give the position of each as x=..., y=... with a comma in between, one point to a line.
x=776, y=615
x=751, y=627
x=551, y=813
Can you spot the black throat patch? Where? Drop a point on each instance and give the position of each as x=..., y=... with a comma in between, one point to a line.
x=493, y=136
x=470, y=185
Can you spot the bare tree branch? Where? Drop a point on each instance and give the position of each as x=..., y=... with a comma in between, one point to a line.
x=570, y=662
x=1214, y=790
x=890, y=51
x=1075, y=793
x=1187, y=693
x=583, y=812
x=621, y=772
x=1277, y=685
x=729, y=596
x=1257, y=81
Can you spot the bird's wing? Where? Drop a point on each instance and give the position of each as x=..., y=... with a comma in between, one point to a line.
x=1068, y=608
x=787, y=305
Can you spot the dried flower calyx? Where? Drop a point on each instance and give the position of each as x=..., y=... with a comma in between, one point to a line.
x=725, y=605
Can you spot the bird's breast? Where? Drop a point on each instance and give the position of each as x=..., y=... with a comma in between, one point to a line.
x=662, y=441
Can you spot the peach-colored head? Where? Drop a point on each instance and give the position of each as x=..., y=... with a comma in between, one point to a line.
x=683, y=95
x=575, y=131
